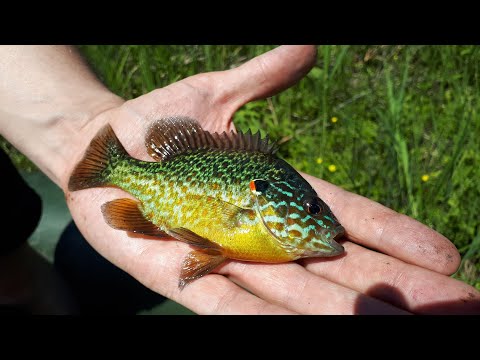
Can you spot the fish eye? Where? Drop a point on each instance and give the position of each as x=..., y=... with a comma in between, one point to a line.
x=259, y=185
x=312, y=206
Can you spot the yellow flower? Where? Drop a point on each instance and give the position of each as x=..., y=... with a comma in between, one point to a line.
x=448, y=95
x=332, y=168
x=334, y=119
x=425, y=178
x=319, y=161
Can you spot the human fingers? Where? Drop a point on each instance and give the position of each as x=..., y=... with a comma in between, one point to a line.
x=218, y=295
x=269, y=73
x=291, y=286
x=391, y=280
x=260, y=77
x=375, y=226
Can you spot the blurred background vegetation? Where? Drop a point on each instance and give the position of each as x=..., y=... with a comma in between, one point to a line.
x=397, y=124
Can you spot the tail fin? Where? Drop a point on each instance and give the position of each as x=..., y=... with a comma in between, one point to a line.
x=100, y=158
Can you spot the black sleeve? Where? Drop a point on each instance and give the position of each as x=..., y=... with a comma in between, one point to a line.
x=22, y=207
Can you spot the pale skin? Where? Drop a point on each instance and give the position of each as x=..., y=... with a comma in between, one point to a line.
x=51, y=106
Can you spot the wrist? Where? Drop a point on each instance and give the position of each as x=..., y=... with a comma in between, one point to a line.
x=48, y=98
x=74, y=130
x=52, y=138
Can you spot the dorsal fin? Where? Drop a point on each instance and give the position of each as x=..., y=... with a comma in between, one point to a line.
x=169, y=137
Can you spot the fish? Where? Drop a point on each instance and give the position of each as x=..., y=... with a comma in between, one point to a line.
x=227, y=195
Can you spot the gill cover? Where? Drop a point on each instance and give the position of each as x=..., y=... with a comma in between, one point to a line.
x=271, y=200
x=302, y=223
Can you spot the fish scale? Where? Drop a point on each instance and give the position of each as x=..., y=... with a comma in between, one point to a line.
x=225, y=193
x=165, y=187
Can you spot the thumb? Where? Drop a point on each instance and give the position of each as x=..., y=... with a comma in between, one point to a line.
x=264, y=75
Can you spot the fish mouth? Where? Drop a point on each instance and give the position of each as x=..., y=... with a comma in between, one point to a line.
x=336, y=235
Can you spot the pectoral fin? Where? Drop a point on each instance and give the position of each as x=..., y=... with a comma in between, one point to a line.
x=125, y=214
x=199, y=263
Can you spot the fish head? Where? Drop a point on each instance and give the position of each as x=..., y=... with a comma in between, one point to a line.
x=303, y=223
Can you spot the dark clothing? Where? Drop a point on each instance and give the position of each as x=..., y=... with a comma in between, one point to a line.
x=98, y=286
x=22, y=207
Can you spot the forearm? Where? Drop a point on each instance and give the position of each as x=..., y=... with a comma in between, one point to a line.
x=47, y=96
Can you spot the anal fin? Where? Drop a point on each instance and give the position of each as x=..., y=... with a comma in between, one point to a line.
x=125, y=214
x=199, y=263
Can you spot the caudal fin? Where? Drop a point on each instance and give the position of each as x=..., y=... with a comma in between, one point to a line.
x=104, y=151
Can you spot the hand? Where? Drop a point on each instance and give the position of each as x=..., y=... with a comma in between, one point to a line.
x=52, y=120
x=406, y=270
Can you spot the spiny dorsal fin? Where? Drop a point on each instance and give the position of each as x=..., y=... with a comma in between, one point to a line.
x=169, y=137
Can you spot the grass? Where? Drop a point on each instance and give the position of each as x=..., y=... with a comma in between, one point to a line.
x=397, y=124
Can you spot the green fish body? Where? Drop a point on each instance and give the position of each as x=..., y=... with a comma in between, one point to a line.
x=227, y=194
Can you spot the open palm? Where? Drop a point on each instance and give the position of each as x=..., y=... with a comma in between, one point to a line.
x=393, y=264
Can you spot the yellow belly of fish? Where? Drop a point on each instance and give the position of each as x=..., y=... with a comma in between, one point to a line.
x=242, y=237
x=248, y=243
